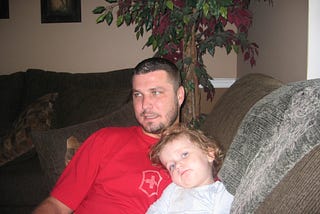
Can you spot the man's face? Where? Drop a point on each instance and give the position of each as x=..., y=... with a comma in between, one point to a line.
x=156, y=103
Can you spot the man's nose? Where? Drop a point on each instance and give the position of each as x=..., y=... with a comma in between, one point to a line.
x=146, y=102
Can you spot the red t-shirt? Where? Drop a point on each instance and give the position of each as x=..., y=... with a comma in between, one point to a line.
x=112, y=173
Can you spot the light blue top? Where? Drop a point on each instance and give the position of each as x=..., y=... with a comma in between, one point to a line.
x=213, y=199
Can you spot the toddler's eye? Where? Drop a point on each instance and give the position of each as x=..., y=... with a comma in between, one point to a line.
x=171, y=167
x=185, y=154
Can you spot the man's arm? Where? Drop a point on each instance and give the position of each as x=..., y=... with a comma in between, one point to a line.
x=52, y=206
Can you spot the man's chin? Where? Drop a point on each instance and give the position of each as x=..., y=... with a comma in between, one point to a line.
x=152, y=128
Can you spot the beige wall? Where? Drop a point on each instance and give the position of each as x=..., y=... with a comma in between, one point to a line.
x=77, y=47
x=281, y=31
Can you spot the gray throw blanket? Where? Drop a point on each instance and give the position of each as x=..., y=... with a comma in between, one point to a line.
x=276, y=133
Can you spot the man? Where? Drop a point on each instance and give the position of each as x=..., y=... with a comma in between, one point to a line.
x=111, y=172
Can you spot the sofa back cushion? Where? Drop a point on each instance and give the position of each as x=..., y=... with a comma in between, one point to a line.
x=78, y=105
x=11, y=94
x=226, y=116
x=276, y=133
x=39, y=82
x=82, y=96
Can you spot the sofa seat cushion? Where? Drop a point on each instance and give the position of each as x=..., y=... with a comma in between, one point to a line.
x=277, y=132
x=22, y=184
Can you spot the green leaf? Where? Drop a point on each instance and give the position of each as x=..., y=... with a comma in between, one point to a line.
x=226, y=3
x=235, y=48
x=111, y=1
x=101, y=18
x=119, y=20
x=99, y=10
x=150, y=40
x=186, y=19
x=190, y=85
x=154, y=44
x=141, y=31
x=199, y=5
x=211, y=50
x=228, y=48
x=224, y=12
x=149, y=23
x=109, y=18
x=205, y=9
x=127, y=18
x=169, y=5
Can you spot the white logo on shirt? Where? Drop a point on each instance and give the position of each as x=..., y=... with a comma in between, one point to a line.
x=150, y=182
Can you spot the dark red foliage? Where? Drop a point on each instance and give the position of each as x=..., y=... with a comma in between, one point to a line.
x=179, y=3
x=175, y=52
x=223, y=21
x=161, y=24
x=124, y=6
x=207, y=27
x=246, y=55
x=210, y=93
x=240, y=17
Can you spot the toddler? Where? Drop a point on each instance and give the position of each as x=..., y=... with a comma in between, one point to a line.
x=193, y=161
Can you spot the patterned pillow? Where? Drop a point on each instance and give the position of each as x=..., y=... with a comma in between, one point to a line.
x=37, y=116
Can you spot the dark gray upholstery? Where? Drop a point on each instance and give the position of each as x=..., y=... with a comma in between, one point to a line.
x=82, y=97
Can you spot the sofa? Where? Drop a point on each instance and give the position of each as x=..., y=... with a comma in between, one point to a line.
x=38, y=100
x=270, y=132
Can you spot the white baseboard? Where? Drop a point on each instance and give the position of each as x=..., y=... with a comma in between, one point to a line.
x=222, y=82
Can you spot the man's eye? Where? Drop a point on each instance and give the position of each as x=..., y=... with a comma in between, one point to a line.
x=185, y=154
x=156, y=92
x=137, y=94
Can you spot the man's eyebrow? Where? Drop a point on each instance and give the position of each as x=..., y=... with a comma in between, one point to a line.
x=156, y=88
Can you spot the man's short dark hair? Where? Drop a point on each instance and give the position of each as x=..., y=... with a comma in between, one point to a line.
x=157, y=63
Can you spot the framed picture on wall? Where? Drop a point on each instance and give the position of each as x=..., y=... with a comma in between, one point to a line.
x=4, y=9
x=60, y=11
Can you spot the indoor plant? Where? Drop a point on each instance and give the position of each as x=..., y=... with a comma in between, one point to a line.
x=183, y=31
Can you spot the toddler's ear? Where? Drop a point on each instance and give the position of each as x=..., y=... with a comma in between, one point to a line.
x=210, y=155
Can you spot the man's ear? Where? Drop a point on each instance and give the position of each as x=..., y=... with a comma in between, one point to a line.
x=180, y=95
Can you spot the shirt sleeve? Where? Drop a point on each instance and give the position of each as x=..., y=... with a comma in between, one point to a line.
x=223, y=200
x=77, y=178
x=162, y=204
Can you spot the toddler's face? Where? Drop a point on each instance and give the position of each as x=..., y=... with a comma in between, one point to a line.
x=188, y=165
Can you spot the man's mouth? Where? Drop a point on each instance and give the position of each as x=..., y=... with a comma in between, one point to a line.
x=149, y=115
